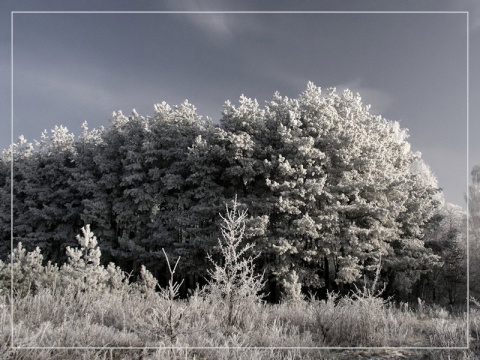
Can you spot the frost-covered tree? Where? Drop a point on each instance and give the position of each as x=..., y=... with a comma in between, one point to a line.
x=45, y=208
x=152, y=193
x=86, y=178
x=53, y=205
x=83, y=268
x=234, y=280
x=474, y=204
x=181, y=208
x=335, y=184
x=5, y=201
x=474, y=231
x=29, y=273
x=330, y=189
x=124, y=173
x=446, y=235
x=24, y=169
x=57, y=213
x=292, y=289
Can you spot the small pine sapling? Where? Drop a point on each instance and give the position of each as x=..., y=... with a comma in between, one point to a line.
x=25, y=268
x=83, y=270
x=28, y=272
x=147, y=283
x=292, y=289
x=117, y=278
x=233, y=281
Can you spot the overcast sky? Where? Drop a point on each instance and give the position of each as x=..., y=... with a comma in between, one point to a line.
x=69, y=68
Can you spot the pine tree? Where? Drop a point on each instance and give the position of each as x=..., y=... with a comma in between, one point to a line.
x=340, y=190
x=330, y=189
x=176, y=218
x=55, y=213
x=24, y=169
x=233, y=279
x=474, y=231
x=446, y=235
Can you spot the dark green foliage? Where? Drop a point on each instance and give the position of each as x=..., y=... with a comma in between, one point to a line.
x=329, y=189
x=474, y=235
x=446, y=283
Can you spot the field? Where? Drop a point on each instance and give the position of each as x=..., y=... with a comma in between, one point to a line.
x=85, y=304
x=52, y=318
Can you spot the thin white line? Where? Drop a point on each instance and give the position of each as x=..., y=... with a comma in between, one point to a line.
x=239, y=348
x=11, y=173
x=240, y=12
x=468, y=194
x=231, y=12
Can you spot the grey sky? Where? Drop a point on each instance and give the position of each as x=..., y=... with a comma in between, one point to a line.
x=410, y=67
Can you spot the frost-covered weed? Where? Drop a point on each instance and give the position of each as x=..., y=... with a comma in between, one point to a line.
x=448, y=333
x=64, y=311
x=51, y=319
x=167, y=315
x=358, y=319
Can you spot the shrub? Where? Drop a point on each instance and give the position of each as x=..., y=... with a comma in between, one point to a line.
x=82, y=272
x=28, y=272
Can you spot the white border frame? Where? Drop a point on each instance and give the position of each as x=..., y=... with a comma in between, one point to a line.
x=467, y=347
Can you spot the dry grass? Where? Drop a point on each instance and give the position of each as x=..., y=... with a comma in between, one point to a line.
x=117, y=319
x=96, y=314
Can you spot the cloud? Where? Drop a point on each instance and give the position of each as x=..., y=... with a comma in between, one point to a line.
x=379, y=100
x=217, y=25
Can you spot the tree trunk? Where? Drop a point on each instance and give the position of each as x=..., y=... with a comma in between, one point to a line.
x=326, y=273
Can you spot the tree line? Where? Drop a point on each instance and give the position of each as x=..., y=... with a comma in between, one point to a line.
x=332, y=191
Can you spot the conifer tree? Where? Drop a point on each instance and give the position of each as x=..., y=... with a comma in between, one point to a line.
x=474, y=231
x=340, y=191
x=174, y=186
x=24, y=168
x=234, y=281
x=446, y=283
x=330, y=189
x=57, y=209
